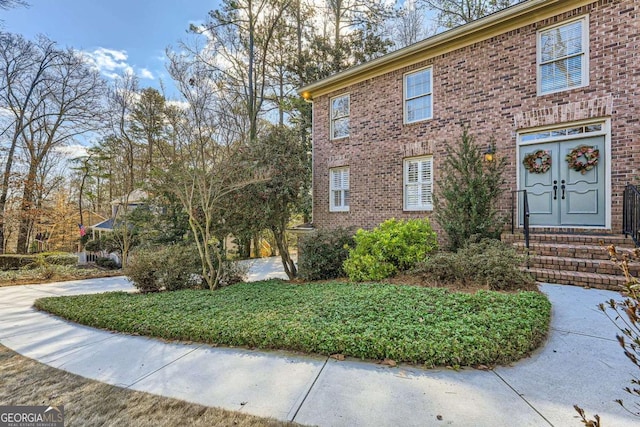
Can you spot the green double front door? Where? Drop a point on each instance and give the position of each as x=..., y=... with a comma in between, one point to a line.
x=561, y=196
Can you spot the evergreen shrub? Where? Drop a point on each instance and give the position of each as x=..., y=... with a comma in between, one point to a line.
x=488, y=262
x=323, y=253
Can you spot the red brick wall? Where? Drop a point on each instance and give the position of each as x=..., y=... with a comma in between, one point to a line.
x=482, y=85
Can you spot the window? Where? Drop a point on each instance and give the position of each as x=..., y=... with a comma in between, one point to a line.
x=418, y=102
x=340, y=117
x=339, y=189
x=562, y=57
x=418, y=184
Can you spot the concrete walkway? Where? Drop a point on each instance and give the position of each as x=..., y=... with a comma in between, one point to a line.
x=581, y=363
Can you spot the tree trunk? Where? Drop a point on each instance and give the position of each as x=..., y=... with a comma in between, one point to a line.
x=5, y=184
x=26, y=221
x=287, y=262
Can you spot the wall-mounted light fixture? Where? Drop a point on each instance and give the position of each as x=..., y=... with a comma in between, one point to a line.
x=307, y=96
x=489, y=153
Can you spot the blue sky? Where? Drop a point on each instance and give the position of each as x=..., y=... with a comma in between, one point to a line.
x=117, y=33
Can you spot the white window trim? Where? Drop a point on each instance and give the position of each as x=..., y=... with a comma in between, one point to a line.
x=405, y=181
x=405, y=99
x=332, y=206
x=331, y=119
x=585, y=54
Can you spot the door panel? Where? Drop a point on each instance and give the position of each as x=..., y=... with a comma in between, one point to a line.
x=539, y=187
x=562, y=196
x=585, y=195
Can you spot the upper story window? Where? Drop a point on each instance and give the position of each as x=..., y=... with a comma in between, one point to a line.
x=339, y=189
x=340, y=116
x=418, y=97
x=418, y=183
x=563, y=54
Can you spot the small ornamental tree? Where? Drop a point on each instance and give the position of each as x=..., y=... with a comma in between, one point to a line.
x=467, y=197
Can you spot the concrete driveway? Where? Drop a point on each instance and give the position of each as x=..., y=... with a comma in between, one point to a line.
x=581, y=363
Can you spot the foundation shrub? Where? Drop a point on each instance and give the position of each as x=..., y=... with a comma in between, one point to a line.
x=488, y=262
x=323, y=253
x=391, y=247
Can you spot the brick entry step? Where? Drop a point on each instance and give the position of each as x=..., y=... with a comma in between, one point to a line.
x=575, y=259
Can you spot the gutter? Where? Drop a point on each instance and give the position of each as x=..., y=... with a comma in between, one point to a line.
x=454, y=37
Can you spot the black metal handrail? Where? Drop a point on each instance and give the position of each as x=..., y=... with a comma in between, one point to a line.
x=525, y=215
x=631, y=213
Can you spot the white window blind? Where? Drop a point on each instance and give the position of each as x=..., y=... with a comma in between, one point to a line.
x=339, y=189
x=418, y=184
x=562, y=57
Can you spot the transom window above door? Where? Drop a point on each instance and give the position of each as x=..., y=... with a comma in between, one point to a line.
x=563, y=54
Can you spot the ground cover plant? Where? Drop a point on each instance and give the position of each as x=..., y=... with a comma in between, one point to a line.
x=91, y=403
x=368, y=321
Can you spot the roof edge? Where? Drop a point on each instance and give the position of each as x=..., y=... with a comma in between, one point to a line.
x=383, y=64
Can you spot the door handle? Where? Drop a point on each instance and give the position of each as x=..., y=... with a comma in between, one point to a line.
x=555, y=190
x=563, y=187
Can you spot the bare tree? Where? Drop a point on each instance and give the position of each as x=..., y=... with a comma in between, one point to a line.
x=452, y=13
x=50, y=97
x=65, y=105
x=203, y=164
x=241, y=35
x=410, y=25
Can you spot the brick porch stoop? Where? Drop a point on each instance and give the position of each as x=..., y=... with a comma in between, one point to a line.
x=575, y=259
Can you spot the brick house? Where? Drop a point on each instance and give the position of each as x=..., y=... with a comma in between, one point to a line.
x=542, y=78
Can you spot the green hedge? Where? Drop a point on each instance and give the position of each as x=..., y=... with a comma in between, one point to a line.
x=17, y=261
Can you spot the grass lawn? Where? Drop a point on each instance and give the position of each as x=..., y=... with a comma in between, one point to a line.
x=91, y=403
x=368, y=321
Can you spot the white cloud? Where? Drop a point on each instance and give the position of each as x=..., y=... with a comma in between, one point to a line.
x=179, y=104
x=145, y=73
x=73, y=151
x=109, y=62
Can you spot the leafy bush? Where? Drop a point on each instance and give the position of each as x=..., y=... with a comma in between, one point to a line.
x=170, y=268
x=95, y=245
x=392, y=246
x=233, y=272
x=107, y=263
x=468, y=195
x=488, y=262
x=59, y=258
x=323, y=253
x=15, y=261
x=48, y=272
